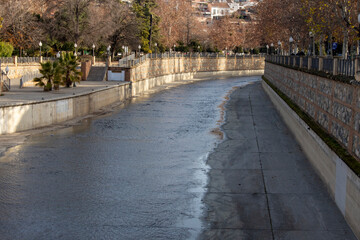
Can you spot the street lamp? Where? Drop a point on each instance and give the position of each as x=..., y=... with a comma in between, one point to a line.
x=93, y=47
x=139, y=49
x=271, y=48
x=291, y=40
x=279, y=44
x=40, y=45
x=174, y=48
x=267, y=49
x=198, y=48
x=108, y=50
x=156, y=49
x=75, y=45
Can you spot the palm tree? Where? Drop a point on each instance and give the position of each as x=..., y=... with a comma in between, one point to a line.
x=50, y=75
x=68, y=67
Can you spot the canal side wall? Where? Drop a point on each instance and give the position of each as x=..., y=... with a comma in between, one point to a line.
x=144, y=76
x=158, y=71
x=21, y=117
x=336, y=107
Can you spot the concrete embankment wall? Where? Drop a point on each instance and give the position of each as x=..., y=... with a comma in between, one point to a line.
x=21, y=117
x=335, y=106
x=38, y=114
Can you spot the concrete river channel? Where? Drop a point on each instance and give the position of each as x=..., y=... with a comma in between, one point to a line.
x=142, y=172
x=138, y=173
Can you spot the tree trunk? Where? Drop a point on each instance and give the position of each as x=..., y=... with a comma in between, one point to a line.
x=321, y=46
x=68, y=81
x=345, y=45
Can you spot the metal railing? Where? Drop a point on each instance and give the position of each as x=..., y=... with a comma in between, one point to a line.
x=328, y=65
x=6, y=60
x=346, y=67
x=6, y=82
x=335, y=66
x=28, y=59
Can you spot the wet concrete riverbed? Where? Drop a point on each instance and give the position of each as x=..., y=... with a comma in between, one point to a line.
x=139, y=173
x=157, y=169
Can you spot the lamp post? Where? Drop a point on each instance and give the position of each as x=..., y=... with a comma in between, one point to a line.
x=139, y=49
x=198, y=47
x=271, y=48
x=267, y=49
x=75, y=45
x=279, y=45
x=311, y=44
x=108, y=50
x=40, y=45
x=156, y=49
x=291, y=40
x=93, y=47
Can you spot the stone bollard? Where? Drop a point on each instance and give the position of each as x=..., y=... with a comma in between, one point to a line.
x=15, y=60
x=321, y=64
x=335, y=66
x=357, y=70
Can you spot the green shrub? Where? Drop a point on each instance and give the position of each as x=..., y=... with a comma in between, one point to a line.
x=6, y=49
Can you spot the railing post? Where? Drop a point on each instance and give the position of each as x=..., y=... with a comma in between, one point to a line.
x=301, y=62
x=356, y=65
x=335, y=66
x=357, y=72
x=321, y=64
x=309, y=63
x=15, y=60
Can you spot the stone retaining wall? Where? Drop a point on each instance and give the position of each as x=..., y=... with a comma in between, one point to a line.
x=334, y=105
x=156, y=67
x=342, y=183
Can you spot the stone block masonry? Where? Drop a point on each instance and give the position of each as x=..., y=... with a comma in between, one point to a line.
x=334, y=105
x=155, y=67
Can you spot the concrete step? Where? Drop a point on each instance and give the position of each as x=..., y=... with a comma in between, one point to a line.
x=96, y=73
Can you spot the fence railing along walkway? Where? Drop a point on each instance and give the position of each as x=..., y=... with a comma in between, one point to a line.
x=335, y=66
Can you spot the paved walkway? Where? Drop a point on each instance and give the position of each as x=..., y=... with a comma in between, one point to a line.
x=30, y=94
x=261, y=186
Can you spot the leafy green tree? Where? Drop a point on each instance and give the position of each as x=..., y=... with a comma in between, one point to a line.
x=50, y=75
x=6, y=49
x=68, y=68
x=148, y=22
